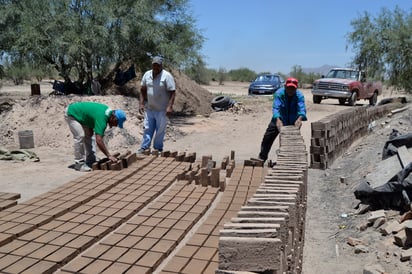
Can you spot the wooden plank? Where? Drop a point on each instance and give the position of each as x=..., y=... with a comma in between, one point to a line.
x=384, y=171
x=404, y=156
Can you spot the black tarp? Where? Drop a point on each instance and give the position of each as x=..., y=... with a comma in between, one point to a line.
x=396, y=139
x=392, y=195
x=122, y=77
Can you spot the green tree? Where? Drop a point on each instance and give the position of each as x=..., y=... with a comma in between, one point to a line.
x=309, y=78
x=367, y=48
x=242, y=74
x=86, y=39
x=383, y=46
x=221, y=75
x=298, y=73
x=17, y=72
x=199, y=73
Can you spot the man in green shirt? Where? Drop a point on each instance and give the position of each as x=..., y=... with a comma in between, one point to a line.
x=86, y=119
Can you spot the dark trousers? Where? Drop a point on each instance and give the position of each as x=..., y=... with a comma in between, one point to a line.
x=268, y=139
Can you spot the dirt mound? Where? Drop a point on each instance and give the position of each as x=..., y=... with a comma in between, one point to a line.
x=191, y=99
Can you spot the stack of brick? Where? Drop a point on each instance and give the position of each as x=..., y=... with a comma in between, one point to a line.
x=207, y=173
x=267, y=235
x=8, y=199
x=125, y=160
x=178, y=156
x=332, y=135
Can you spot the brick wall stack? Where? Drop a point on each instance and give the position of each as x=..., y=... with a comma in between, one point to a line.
x=334, y=134
x=267, y=235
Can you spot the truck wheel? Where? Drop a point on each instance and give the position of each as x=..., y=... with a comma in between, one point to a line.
x=353, y=98
x=342, y=101
x=317, y=99
x=373, y=99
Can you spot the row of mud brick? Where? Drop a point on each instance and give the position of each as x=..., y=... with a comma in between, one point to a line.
x=334, y=134
x=267, y=234
x=127, y=158
x=205, y=173
x=151, y=216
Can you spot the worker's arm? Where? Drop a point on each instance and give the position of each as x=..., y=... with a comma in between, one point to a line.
x=172, y=96
x=298, y=122
x=102, y=147
x=142, y=98
x=279, y=124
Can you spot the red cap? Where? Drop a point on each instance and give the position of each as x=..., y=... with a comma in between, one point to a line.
x=292, y=82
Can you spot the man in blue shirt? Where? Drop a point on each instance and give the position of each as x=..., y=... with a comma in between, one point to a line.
x=288, y=109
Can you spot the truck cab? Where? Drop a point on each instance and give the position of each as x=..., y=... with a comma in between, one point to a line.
x=346, y=85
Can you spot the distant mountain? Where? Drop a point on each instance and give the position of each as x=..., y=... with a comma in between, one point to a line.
x=321, y=70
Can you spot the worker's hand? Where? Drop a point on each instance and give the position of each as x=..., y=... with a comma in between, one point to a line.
x=113, y=159
x=298, y=123
x=169, y=111
x=279, y=124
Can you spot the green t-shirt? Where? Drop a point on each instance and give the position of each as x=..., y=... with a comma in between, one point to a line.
x=90, y=114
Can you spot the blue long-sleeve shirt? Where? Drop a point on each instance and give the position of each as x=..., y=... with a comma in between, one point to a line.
x=288, y=109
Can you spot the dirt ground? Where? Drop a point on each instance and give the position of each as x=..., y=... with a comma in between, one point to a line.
x=214, y=133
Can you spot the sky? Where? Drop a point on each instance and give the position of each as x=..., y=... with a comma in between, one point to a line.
x=275, y=35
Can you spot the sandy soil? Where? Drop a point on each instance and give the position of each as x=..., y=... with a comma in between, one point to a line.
x=216, y=134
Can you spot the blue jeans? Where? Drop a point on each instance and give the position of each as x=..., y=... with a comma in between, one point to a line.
x=154, y=121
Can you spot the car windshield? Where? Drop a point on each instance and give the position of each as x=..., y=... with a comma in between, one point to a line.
x=267, y=78
x=343, y=74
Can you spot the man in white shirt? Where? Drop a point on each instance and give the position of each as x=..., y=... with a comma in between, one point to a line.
x=157, y=95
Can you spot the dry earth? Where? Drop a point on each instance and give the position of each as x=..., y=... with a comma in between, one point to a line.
x=215, y=133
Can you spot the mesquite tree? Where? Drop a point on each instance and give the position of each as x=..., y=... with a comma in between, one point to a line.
x=87, y=39
x=383, y=46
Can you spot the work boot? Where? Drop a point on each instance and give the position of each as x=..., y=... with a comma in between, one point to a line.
x=156, y=152
x=78, y=164
x=140, y=151
x=85, y=168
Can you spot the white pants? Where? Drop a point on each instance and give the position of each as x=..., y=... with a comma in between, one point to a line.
x=84, y=141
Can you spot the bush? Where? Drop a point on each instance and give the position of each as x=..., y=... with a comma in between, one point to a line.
x=221, y=76
x=199, y=73
x=17, y=74
x=242, y=75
